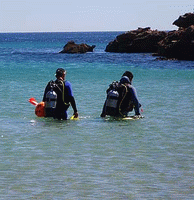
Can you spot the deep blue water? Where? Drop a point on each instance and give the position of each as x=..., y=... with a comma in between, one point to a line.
x=93, y=158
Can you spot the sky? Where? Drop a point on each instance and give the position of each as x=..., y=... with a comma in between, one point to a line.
x=88, y=15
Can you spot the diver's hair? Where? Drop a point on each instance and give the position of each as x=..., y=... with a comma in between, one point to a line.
x=60, y=72
x=128, y=74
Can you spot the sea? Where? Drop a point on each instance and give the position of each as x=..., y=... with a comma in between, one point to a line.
x=93, y=157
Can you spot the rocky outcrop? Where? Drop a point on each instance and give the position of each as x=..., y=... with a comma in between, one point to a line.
x=178, y=44
x=136, y=41
x=71, y=47
x=185, y=20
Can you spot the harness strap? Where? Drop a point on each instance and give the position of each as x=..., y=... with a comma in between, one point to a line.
x=63, y=92
x=123, y=99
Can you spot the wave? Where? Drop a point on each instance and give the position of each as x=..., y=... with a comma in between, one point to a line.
x=39, y=52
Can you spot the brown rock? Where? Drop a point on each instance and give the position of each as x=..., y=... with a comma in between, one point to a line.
x=178, y=44
x=136, y=41
x=71, y=47
x=185, y=20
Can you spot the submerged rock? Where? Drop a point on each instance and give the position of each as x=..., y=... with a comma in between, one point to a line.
x=71, y=47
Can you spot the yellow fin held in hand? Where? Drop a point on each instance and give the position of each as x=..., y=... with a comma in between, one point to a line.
x=74, y=118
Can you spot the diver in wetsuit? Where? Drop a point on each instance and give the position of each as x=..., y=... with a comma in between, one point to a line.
x=64, y=96
x=127, y=98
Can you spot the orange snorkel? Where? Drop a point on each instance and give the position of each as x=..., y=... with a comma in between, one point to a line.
x=33, y=101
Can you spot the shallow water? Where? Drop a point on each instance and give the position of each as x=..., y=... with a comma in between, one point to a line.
x=93, y=158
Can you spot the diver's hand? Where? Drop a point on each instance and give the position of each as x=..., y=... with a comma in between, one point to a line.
x=137, y=116
x=75, y=114
x=103, y=115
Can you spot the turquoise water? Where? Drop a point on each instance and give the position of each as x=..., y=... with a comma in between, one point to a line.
x=93, y=158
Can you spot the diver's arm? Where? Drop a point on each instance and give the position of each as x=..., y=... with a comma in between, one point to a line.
x=135, y=101
x=73, y=104
x=71, y=98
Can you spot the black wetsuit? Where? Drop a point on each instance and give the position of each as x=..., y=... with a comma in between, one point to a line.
x=63, y=98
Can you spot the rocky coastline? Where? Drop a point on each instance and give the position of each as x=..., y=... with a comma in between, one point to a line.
x=177, y=44
x=137, y=41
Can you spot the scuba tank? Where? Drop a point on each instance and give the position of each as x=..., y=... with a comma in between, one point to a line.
x=115, y=96
x=112, y=99
x=51, y=102
x=112, y=102
x=51, y=99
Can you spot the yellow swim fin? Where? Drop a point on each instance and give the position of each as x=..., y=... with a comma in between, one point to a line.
x=73, y=118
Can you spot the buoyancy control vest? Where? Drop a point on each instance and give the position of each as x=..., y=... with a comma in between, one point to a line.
x=55, y=98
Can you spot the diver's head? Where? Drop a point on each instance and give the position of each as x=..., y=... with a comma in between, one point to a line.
x=129, y=75
x=60, y=73
x=124, y=80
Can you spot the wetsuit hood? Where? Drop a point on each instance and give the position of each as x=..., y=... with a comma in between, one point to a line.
x=124, y=80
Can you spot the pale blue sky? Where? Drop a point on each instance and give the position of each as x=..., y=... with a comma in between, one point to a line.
x=88, y=15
